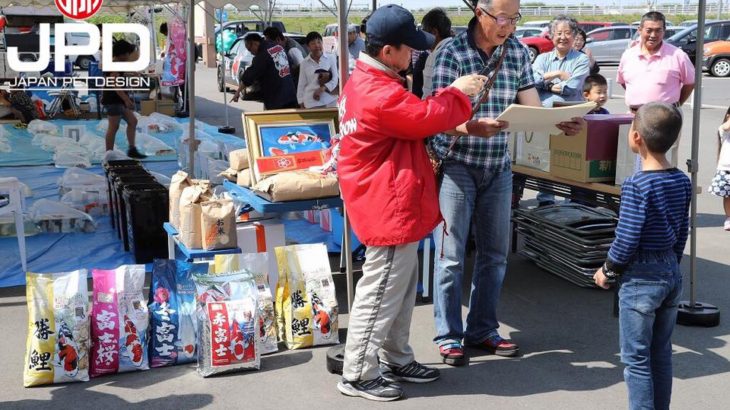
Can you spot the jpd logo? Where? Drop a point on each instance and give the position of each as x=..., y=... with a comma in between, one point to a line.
x=78, y=9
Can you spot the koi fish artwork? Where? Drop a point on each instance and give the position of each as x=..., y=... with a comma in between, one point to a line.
x=297, y=141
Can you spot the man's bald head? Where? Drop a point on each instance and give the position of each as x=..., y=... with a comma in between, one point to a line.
x=658, y=124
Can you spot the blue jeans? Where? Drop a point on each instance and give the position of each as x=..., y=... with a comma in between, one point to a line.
x=479, y=198
x=648, y=297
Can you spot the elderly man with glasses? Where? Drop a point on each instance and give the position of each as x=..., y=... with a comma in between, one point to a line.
x=476, y=186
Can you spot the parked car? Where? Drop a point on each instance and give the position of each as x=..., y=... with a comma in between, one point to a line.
x=668, y=32
x=521, y=32
x=538, y=23
x=608, y=44
x=233, y=63
x=637, y=23
x=687, y=38
x=716, y=58
x=592, y=25
x=538, y=44
x=330, y=36
x=690, y=23
x=241, y=27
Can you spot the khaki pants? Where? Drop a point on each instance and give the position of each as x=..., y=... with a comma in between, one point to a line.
x=380, y=318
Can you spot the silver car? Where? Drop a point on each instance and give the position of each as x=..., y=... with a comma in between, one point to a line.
x=609, y=43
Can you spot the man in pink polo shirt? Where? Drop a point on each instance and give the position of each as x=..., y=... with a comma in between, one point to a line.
x=653, y=70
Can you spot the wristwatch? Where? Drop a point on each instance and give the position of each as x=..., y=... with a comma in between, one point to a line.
x=609, y=273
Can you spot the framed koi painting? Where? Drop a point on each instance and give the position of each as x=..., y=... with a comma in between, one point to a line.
x=285, y=140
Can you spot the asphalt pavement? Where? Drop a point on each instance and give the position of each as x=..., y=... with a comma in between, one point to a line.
x=568, y=336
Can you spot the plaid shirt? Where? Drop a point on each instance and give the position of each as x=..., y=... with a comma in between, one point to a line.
x=461, y=57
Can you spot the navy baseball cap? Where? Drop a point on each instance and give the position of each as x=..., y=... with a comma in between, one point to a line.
x=393, y=25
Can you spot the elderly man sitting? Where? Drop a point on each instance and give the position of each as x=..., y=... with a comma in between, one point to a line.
x=559, y=74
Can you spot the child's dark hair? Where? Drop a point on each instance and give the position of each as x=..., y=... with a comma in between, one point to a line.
x=658, y=124
x=594, y=80
x=311, y=36
x=122, y=47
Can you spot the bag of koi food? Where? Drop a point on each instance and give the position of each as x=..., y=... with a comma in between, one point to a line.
x=306, y=307
x=173, y=324
x=58, y=328
x=119, y=321
x=227, y=317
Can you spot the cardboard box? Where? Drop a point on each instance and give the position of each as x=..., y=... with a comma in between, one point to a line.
x=147, y=107
x=628, y=163
x=262, y=236
x=532, y=149
x=166, y=107
x=589, y=156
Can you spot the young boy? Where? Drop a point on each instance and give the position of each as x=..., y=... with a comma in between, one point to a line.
x=595, y=88
x=644, y=258
x=118, y=104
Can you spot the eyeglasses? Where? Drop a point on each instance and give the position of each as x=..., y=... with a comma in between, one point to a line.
x=502, y=20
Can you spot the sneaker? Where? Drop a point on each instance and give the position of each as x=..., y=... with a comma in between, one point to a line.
x=133, y=153
x=496, y=345
x=453, y=354
x=377, y=389
x=413, y=372
x=727, y=224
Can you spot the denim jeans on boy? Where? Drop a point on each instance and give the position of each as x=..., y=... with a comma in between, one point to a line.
x=648, y=298
x=483, y=197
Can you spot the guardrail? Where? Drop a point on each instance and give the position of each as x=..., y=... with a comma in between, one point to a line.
x=361, y=10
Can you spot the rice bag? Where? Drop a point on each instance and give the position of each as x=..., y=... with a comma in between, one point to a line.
x=227, y=318
x=258, y=265
x=191, y=213
x=178, y=182
x=173, y=324
x=57, y=346
x=218, y=224
x=306, y=307
x=119, y=321
x=239, y=159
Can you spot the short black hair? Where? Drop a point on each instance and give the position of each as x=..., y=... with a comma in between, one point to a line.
x=364, y=24
x=436, y=19
x=122, y=47
x=581, y=33
x=255, y=37
x=373, y=49
x=163, y=29
x=658, y=124
x=654, y=16
x=273, y=34
x=311, y=36
x=594, y=80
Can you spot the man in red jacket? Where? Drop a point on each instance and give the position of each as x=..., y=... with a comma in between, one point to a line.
x=389, y=189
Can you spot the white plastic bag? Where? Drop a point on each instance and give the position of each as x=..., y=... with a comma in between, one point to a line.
x=166, y=121
x=68, y=160
x=42, y=127
x=153, y=146
x=55, y=217
x=114, y=155
x=92, y=202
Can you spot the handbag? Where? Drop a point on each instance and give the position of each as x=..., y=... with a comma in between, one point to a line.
x=436, y=162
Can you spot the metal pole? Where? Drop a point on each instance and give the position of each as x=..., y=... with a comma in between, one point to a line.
x=190, y=81
x=227, y=129
x=344, y=71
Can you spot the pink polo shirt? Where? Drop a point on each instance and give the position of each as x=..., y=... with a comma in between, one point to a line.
x=656, y=77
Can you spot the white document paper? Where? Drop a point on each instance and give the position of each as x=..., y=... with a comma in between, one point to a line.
x=538, y=119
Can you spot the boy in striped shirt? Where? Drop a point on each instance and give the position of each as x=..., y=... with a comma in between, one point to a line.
x=644, y=258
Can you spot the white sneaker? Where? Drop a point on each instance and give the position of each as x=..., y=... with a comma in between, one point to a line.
x=727, y=224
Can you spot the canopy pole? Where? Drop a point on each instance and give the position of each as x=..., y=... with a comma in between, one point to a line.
x=693, y=313
x=190, y=81
x=226, y=129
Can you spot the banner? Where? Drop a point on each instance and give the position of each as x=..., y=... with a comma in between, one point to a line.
x=173, y=66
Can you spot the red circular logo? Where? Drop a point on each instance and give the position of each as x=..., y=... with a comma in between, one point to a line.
x=78, y=9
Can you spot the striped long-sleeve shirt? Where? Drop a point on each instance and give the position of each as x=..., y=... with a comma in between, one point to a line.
x=653, y=216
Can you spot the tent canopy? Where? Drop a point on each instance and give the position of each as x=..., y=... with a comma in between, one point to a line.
x=122, y=5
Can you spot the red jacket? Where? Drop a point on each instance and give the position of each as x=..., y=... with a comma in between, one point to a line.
x=385, y=174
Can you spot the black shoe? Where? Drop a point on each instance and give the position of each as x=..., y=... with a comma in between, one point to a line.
x=413, y=372
x=133, y=153
x=545, y=203
x=377, y=389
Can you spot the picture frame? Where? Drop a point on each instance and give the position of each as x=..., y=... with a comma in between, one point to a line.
x=285, y=140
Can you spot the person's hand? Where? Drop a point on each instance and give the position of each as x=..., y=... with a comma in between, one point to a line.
x=236, y=96
x=470, y=84
x=485, y=127
x=317, y=93
x=556, y=88
x=600, y=279
x=571, y=127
